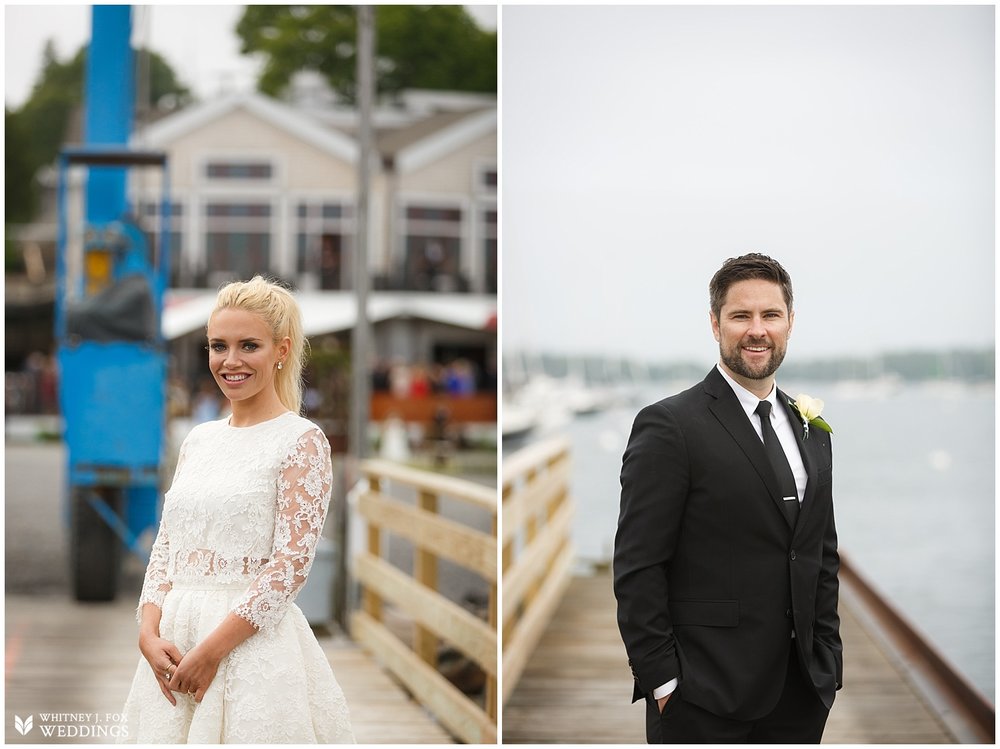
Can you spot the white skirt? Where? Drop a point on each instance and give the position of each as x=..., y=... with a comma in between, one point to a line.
x=276, y=687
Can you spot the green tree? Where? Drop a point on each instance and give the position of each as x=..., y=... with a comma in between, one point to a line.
x=21, y=200
x=417, y=46
x=46, y=114
x=36, y=131
x=163, y=82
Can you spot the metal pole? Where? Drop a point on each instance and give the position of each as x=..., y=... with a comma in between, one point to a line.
x=360, y=335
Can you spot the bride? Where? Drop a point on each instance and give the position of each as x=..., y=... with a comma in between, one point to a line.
x=227, y=657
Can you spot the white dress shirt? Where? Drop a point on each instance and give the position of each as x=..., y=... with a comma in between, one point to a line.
x=783, y=428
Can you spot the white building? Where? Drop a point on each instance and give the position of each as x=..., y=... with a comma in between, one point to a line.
x=258, y=185
x=262, y=186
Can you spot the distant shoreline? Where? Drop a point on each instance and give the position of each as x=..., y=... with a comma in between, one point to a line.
x=970, y=365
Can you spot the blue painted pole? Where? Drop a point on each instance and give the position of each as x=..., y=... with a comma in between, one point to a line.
x=108, y=105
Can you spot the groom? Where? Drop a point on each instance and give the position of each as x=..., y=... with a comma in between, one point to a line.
x=725, y=564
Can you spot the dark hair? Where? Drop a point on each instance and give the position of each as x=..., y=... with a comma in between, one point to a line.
x=744, y=268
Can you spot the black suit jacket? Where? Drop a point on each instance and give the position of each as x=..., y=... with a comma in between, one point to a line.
x=709, y=575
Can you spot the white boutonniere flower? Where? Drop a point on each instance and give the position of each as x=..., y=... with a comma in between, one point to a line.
x=809, y=410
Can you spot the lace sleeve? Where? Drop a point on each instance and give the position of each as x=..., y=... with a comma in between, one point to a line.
x=304, y=487
x=155, y=585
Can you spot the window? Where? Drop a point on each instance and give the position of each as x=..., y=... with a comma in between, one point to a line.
x=433, y=249
x=238, y=170
x=237, y=240
x=490, y=251
x=321, y=233
x=151, y=209
x=434, y=214
x=238, y=210
x=149, y=212
x=485, y=181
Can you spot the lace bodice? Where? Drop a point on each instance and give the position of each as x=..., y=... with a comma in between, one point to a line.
x=246, y=505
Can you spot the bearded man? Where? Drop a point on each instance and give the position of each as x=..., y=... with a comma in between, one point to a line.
x=725, y=563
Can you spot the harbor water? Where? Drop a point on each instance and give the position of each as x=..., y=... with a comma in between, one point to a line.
x=913, y=491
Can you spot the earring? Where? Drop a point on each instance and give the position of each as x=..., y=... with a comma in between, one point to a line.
x=279, y=365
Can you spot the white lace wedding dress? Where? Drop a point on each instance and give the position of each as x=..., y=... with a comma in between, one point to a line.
x=238, y=534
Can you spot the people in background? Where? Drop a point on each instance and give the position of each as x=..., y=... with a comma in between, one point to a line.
x=457, y=378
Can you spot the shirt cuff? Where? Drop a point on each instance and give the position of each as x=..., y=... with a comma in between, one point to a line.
x=664, y=689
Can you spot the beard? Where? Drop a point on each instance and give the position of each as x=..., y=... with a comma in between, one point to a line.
x=733, y=359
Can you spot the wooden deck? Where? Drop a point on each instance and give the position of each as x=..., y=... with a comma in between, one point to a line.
x=577, y=685
x=67, y=657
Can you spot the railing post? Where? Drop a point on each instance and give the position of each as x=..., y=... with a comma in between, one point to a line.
x=530, y=531
x=491, y=681
x=425, y=643
x=370, y=600
x=560, y=497
x=506, y=560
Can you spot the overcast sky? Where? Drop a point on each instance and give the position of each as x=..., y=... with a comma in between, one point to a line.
x=642, y=146
x=198, y=41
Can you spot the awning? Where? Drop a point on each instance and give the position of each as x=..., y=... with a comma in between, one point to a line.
x=186, y=310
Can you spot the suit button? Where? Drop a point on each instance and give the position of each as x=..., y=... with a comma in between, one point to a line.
x=788, y=613
x=792, y=555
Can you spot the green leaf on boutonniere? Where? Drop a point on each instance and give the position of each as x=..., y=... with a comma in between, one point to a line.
x=820, y=424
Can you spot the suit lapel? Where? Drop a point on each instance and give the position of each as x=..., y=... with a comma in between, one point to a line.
x=727, y=409
x=807, y=458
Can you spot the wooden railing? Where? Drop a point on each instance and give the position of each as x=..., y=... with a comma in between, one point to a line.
x=435, y=618
x=537, y=554
x=962, y=707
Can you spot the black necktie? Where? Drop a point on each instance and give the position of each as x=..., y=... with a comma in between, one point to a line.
x=779, y=462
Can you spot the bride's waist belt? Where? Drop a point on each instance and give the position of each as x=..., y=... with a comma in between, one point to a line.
x=196, y=584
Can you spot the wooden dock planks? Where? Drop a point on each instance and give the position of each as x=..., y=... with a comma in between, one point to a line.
x=577, y=685
x=68, y=657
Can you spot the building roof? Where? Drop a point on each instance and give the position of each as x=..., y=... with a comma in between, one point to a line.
x=311, y=94
x=187, y=310
x=165, y=131
x=425, y=135
x=445, y=139
x=392, y=141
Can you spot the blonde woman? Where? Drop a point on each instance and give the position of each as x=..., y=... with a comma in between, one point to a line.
x=227, y=656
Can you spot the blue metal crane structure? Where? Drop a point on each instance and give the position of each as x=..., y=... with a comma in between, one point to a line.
x=112, y=273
